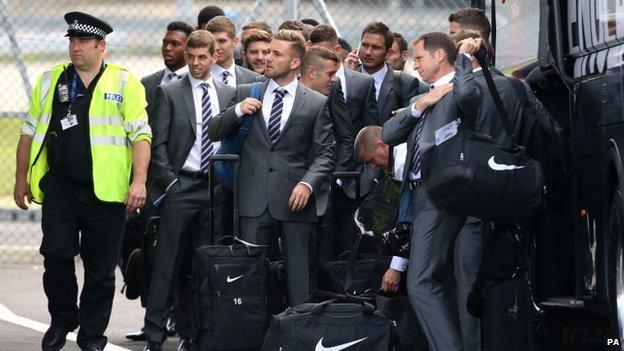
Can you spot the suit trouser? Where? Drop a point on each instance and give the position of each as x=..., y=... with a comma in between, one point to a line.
x=184, y=220
x=344, y=225
x=430, y=281
x=298, y=244
x=467, y=258
x=71, y=207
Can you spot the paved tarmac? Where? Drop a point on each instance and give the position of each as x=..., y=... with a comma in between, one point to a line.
x=24, y=316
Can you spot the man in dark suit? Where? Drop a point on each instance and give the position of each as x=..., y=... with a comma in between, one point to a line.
x=225, y=71
x=206, y=14
x=352, y=106
x=173, y=45
x=434, y=233
x=285, y=160
x=179, y=166
x=393, y=89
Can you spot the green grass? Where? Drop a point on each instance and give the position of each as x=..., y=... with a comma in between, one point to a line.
x=9, y=135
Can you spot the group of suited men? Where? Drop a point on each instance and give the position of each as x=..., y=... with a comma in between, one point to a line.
x=318, y=98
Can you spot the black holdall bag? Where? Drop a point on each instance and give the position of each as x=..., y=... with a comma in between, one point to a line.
x=471, y=174
x=229, y=287
x=334, y=324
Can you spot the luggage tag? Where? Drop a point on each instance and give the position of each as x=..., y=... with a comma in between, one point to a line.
x=69, y=121
x=447, y=131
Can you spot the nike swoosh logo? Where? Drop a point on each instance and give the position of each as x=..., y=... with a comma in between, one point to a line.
x=501, y=166
x=229, y=280
x=320, y=347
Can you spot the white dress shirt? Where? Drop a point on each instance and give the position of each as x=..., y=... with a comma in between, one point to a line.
x=378, y=77
x=400, y=153
x=340, y=73
x=178, y=74
x=217, y=73
x=193, y=160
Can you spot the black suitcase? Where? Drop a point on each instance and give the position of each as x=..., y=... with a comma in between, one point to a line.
x=330, y=325
x=509, y=316
x=229, y=289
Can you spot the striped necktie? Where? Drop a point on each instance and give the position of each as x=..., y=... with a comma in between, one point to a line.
x=171, y=77
x=207, y=148
x=224, y=77
x=415, y=164
x=275, y=120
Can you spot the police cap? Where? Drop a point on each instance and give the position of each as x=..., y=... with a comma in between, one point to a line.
x=86, y=26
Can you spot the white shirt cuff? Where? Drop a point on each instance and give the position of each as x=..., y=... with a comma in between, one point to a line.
x=308, y=185
x=415, y=113
x=238, y=111
x=468, y=56
x=399, y=263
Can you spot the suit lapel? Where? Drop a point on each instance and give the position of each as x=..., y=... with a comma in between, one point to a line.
x=223, y=101
x=384, y=90
x=300, y=97
x=189, y=104
x=260, y=115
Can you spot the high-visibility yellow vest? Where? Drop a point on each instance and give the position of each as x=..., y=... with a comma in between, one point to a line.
x=117, y=118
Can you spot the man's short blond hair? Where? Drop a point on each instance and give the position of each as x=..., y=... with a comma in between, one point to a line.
x=201, y=39
x=296, y=40
x=366, y=141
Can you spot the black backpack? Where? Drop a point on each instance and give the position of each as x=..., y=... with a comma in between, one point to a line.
x=544, y=141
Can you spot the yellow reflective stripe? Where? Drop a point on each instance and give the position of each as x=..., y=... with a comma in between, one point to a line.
x=45, y=86
x=106, y=120
x=123, y=79
x=109, y=140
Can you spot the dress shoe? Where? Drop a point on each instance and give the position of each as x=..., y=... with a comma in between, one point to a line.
x=54, y=339
x=92, y=347
x=185, y=345
x=136, y=336
x=153, y=346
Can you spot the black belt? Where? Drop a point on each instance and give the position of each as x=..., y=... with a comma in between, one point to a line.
x=414, y=184
x=194, y=175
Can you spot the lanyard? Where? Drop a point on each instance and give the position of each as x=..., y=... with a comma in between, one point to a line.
x=72, y=89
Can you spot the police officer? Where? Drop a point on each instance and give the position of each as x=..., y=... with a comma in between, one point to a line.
x=85, y=131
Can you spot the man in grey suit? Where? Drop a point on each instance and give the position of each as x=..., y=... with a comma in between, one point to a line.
x=225, y=70
x=393, y=89
x=352, y=106
x=173, y=45
x=180, y=165
x=285, y=160
x=435, y=232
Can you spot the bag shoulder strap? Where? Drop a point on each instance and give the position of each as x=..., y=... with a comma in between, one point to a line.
x=255, y=90
x=247, y=123
x=520, y=91
x=502, y=113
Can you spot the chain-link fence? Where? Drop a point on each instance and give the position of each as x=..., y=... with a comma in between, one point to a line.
x=31, y=41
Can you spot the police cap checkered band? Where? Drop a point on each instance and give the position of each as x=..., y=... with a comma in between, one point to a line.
x=85, y=25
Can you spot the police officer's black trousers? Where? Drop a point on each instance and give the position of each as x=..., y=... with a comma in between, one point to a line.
x=71, y=207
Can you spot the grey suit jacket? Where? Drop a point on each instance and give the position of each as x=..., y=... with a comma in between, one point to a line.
x=175, y=130
x=475, y=102
x=402, y=128
x=150, y=83
x=304, y=152
x=244, y=75
x=361, y=111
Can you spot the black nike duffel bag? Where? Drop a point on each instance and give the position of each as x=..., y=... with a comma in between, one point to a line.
x=330, y=325
x=473, y=175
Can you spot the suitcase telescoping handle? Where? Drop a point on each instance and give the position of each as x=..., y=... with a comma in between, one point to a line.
x=211, y=185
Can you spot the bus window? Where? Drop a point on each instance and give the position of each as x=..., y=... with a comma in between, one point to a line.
x=517, y=33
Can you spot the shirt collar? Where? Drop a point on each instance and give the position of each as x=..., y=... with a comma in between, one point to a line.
x=477, y=69
x=340, y=73
x=380, y=75
x=217, y=70
x=180, y=72
x=195, y=83
x=291, y=87
x=447, y=78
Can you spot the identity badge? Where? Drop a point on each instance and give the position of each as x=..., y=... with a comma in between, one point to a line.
x=69, y=121
x=446, y=132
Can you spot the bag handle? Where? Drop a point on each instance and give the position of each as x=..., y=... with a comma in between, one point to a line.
x=481, y=57
x=211, y=185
